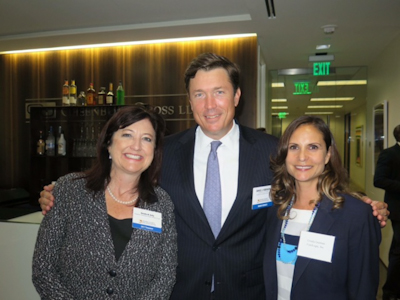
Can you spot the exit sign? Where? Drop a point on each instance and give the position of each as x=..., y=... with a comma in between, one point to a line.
x=302, y=88
x=321, y=68
x=282, y=115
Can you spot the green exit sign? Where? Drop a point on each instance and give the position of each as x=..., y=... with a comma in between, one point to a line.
x=302, y=88
x=282, y=115
x=321, y=68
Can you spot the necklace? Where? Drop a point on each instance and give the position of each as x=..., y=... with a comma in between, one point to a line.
x=282, y=240
x=119, y=201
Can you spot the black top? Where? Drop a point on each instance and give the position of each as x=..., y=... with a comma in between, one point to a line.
x=121, y=231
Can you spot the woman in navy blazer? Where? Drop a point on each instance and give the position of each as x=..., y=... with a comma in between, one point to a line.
x=322, y=242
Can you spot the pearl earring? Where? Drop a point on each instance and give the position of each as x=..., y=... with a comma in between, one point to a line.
x=109, y=156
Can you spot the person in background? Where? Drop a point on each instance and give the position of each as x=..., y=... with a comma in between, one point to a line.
x=112, y=230
x=321, y=242
x=226, y=264
x=387, y=177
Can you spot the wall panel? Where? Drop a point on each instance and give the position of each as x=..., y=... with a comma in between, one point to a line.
x=151, y=73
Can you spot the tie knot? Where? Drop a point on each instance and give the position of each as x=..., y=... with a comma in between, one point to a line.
x=214, y=146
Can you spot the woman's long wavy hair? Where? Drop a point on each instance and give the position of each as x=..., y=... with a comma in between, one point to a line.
x=332, y=182
x=98, y=177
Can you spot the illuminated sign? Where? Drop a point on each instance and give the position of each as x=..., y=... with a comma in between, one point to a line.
x=282, y=115
x=302, y=88
x=321, y=68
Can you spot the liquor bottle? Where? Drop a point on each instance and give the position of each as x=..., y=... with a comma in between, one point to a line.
x=101, y=96
x=120, y=94
x=110, y=96
x=50, y=143
x=72, y=93
x=40, y=144
x=91, y=95
x=58, y=134
x=62, y=145
x=81, y=99
x=65, y=94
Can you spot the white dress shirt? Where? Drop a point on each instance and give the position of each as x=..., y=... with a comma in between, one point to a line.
x=228, y=159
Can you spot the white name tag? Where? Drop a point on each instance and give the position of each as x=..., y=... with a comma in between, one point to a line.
x=147, y=220
x=316, y=246
x=261, y=198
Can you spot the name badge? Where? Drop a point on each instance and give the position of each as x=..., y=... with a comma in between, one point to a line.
x=147, y=220
x=316, y=246
x=261, y=198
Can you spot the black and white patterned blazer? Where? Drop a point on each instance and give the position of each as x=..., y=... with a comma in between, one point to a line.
x=74, y=254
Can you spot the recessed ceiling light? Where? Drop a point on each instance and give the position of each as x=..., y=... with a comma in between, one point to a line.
x=279, y=107
x=324, y=106
x=322, y=47
x=319, y=113
x=277, y=84
x=333, y=99
x=278, y=100
x=341, y=82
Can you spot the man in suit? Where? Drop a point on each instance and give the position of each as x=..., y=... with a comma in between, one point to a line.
x=387, y=177
x=228, y=266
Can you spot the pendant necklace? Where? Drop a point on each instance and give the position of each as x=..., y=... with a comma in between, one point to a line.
x=282, y=240
x=119, y=201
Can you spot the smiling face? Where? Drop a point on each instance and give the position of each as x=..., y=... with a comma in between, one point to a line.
x=307, y=155
x=132, y=148
x=213, y=102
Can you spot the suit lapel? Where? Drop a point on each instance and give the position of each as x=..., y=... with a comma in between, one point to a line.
x=247, y=165
x=322, y=223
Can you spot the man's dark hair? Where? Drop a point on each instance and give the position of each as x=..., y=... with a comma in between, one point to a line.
x=396, y=133
x=211, y=61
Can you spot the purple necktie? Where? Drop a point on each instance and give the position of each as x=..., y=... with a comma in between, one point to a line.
x=212, y=192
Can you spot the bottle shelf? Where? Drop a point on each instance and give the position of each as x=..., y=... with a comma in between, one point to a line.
x=80, y=126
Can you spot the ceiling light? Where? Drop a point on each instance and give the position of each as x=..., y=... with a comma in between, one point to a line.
x=277, y=84
x=278, y=100
x=322, y=47
x=319, y=113
x=332, y=99
x=295, y=71
x=198, y=38
x=279, y=107
x=329, y=29
x=324, y=106
x=341, y=82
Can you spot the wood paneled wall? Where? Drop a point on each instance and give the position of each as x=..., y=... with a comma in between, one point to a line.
x=151, y=73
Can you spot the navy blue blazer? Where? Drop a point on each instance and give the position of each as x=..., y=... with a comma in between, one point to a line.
x=354, y=271
x=235, y=257
x=387, y=177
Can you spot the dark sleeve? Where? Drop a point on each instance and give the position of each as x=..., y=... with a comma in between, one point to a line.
x=383, y=177
x=363, y=268
x=45, y=277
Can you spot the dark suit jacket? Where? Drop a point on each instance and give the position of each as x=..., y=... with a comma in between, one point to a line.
x=354, y=271
x=387, y=177
x=235, y=257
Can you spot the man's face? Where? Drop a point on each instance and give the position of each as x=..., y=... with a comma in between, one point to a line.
x=213, y=102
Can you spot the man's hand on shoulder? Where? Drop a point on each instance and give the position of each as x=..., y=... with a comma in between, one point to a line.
x=379, y=210
x=46, y=199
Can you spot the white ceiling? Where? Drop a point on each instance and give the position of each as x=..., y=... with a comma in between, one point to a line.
x=364, y=27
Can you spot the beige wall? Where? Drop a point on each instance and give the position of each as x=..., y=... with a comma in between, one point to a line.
x=383, y=84
x=357, y=171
